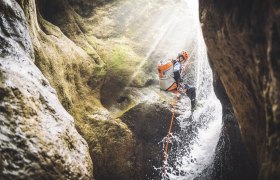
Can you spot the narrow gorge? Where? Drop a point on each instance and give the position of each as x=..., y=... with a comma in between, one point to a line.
x=80, y=97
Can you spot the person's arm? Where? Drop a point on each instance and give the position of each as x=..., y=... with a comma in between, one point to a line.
x=177, y=77
x=176, y=72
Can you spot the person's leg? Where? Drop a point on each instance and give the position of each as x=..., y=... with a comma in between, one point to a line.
x=191, y=93
x=193, y=97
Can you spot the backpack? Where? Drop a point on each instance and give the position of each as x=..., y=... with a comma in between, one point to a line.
x=166, y=75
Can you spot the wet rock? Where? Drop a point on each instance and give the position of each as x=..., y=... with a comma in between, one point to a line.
x=129, y=147
x=38, y=139
x=243, y=45
x=149, y=124
x=111, y=148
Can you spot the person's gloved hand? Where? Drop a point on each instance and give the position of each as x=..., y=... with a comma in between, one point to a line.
x=181, y=88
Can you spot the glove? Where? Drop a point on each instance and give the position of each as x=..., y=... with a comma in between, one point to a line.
x=181, y=88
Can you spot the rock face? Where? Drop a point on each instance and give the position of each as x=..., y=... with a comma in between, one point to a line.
x=111, y=148
x=243, y=45
x=149, y=129
x=38, y=139
x=65, y=62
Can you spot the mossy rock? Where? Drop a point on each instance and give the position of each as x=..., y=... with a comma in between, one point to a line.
x=111, y=147
x=121, y=64
x=149, y=124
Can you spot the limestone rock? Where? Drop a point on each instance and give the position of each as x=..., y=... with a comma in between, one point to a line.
x=38, y=139
x=243, y=44
x=111, y=148
x=149, y=124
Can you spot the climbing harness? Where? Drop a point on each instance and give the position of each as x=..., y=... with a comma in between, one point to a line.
x=169, y=131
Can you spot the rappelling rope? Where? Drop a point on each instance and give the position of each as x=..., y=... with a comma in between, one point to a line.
x=168, y=135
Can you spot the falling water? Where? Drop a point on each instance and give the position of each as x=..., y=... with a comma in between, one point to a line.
x=192, y=149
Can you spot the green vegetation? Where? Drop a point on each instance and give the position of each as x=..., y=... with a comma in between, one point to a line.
x=121, y=64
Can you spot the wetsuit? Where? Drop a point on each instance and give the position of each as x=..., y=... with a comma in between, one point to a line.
x=190, y=91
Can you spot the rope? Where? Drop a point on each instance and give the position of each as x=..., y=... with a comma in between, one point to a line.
x=172, y=119
x=168, y=135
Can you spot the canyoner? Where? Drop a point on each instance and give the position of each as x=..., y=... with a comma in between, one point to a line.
x=170, y=77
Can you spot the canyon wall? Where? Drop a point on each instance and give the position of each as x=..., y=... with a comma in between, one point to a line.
x=243, y=46
x=38, y=136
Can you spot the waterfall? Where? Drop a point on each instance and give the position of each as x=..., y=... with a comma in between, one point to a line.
x=192, y=149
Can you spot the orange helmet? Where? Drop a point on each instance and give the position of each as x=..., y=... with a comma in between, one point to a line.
x=185, y=54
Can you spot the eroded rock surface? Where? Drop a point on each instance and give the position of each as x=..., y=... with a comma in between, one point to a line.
x=243, y=44
x=111, y=148
x=149, y=124
x=38, y=139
